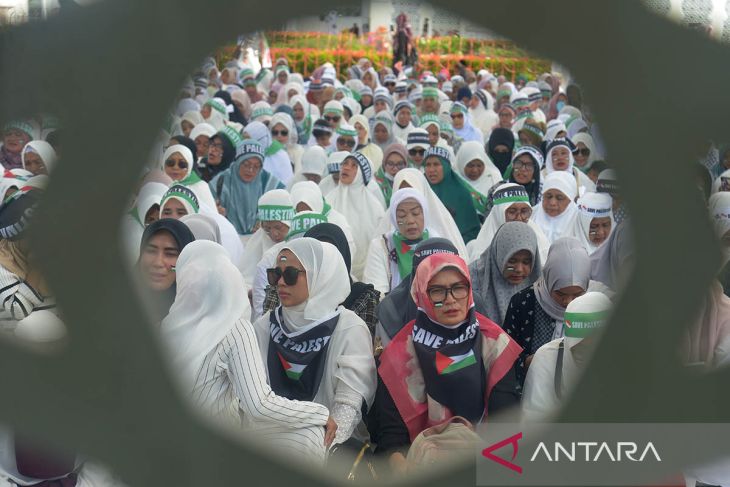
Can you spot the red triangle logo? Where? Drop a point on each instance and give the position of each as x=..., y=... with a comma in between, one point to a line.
x=404, y=248
x=286, y=364
x=442, y=362
x=513, y=441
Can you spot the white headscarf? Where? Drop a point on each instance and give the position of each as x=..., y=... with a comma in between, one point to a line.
x=184, y=152
x=717, y=183
x=402, y=195
x=587, y=140
x=150, y=194
x=558, y=226
x=210, y=298
x=309, y=193
x=327, y=282
x=314, y=161
x=202, y=128
x=590, y=206
x=359, y=205
x=497, y=218
x=44, y=150
x=260, y=242
x=470, y=151
x=440, y=220
x=204, y=227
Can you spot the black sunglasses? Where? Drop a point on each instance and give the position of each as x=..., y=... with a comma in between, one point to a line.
x=290, y=274
x=277, y=133
x=332, y=119
x=180, y=164
x=415, y=152
x=584, y=152
x=346, y=143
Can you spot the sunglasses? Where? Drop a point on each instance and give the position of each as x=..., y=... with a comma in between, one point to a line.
x=346, y=143
x=457, y=115
x=290, y=275
x=277, y=133
x=417, y=152
x=180, y=164
x=583, y=152
x=332, y=119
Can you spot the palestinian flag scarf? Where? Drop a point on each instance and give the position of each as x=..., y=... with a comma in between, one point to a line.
x=296, y=361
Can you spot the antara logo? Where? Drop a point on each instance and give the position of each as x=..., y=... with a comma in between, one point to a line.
x=577, y=451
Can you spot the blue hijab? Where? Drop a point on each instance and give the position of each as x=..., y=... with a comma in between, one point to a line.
x=239, y=198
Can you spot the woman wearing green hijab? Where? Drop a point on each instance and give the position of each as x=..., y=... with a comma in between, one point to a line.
x=452, y=191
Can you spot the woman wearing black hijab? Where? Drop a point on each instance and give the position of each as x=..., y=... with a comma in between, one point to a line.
x=162, y=242
x=221, y=154
x=500, y=146
x=236, y=115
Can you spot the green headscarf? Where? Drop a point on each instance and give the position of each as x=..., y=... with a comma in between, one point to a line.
x=456, y=197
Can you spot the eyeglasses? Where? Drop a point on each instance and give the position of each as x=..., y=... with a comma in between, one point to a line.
x=290, y=275
x=457, y=115
x=513, y=213
x=417, y=152
x=398, y=164
x=217, y=146
x=277, y=133
x=438, y=294
x=251, y=166
x=519, y=165
x=346, y=143
x=584, y=152
x=180, y=164
x=332, y=119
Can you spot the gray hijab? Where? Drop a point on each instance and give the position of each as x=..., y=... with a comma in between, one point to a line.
x=568, y=264
x=486, y=272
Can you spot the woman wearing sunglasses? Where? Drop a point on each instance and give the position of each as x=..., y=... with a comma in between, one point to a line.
x=212, y=346
x=460, y=362
x=394, y=160
x=177, y=162
x=283, y=130
x=315, y=349
x=276, y=158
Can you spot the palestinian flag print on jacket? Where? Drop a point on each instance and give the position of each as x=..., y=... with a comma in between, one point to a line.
x=293, y=371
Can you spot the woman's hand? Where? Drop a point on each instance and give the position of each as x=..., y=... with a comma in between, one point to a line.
x=329, y=432
x=221, y=210
x=398, y=463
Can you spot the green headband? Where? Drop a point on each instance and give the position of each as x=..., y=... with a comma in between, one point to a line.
x=581, y=325
x=346, y=132
x=217, y=106
x=275, y=213
x=261, y=112
x=430, y=92
x=303, y=222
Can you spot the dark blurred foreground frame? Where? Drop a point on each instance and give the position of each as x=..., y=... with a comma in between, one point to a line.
x=110, y=70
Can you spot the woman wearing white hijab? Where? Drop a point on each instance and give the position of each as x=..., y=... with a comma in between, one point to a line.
x=313, y=348
x=276, y=159
x=358, y=204
x=313, y=166
x=593, y=222
x=535, y=314
x=201, y=135
x=543, y=393
x=390, y=256
x=216, y=112
x=482, y=112
x=329, y=182
x=365, y=145
x=476, y=167
x=285, y=132
x=38, y=157
x=190, y=120
x=146, y=210
x=304, y=115
x=213, y=349
x=382, y=130
x=555, y=213
x=275, y=212
x=584, y=142
x=510, y=203
x=440, y=220
x=177, y=162
x=560, y=158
